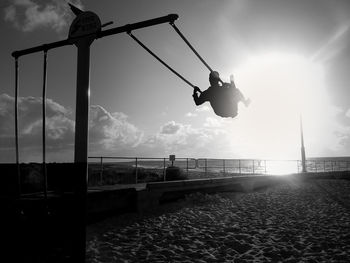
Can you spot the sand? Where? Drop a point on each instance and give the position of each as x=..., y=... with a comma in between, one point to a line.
x=292, y=222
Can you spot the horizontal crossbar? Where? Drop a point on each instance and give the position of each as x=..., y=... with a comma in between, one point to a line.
x=126, y=28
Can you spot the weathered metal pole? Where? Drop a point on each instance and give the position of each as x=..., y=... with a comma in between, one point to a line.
x=83, y=28
x=303, y=158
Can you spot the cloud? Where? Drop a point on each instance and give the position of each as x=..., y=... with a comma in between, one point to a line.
x=28, y=15
x=111, y=131
x=211, y=122
x=59, y=126
x=185, y=140
x=108, y=132
x=204, y=108
x=190, y=114
x=347, y=114
x=170, y=128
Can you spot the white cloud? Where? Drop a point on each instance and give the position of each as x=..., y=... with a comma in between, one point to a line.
x=107, y=132
x=347, y=114
x=170, y=128
x=186, y=141
x=111, y=131
x=211, y=122
x=190, y=114
x=204, y=108
x=28, y=15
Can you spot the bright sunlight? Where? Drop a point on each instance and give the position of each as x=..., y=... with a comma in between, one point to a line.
x=281, y=87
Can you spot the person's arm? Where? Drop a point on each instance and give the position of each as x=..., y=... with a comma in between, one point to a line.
x=201, y=98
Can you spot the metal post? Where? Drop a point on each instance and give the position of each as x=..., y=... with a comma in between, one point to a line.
x=303, y=158
x=253, y=167
x=81, y=147
x=44, y=123
x=315, y=166
x=205, y=167
x=164, y=170
x=136, y=173
x=16, y=129
x=187, y=166
x=239, y=166
x=224, y=167
x=101, y=170
x=265, y=166
x=332, y=166
x=324, y=165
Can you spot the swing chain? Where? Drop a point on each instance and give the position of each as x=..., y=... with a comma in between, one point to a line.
x=159, y=59
x=177, y=30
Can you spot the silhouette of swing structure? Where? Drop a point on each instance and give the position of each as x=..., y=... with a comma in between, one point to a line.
x=85, y=28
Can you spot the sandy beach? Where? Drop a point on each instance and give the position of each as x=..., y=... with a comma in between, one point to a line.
x=292, y=222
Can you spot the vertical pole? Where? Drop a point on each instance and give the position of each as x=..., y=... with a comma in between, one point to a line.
x=239, y=166
x=44, y=124
x=253, y=167
x=332, y=165
x=136, y=173
x=324, y=165
x=81, y=148
x=265, y=166
x=187, y=166
x=303, y=159
x=205, y=167
x=223, y=163
x=316, y=166
x=164, y=170
x=101, y=170
x=16, y=129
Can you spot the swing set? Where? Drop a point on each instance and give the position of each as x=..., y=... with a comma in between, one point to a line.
x=85, y=28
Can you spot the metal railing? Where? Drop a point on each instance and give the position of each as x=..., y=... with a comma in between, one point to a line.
x=136, y=167
x=142, y=169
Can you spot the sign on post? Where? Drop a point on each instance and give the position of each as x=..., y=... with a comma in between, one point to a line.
x=84, y=24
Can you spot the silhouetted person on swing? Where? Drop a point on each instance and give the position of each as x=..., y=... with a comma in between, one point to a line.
x=223, y=99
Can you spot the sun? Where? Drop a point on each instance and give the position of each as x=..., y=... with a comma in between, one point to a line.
x=282, y=87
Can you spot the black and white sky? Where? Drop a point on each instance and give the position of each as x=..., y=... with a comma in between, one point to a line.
x=289, y=57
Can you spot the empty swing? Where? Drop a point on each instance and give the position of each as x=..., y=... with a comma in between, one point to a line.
x=44, y=170
x=223, y=98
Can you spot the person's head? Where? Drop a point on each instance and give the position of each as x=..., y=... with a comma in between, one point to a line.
x=214, y=78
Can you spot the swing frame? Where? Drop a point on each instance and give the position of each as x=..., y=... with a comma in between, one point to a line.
x=82, y=42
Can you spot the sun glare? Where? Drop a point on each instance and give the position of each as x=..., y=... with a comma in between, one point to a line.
x=281, y=87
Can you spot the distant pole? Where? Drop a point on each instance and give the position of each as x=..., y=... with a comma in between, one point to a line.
x=303, y=158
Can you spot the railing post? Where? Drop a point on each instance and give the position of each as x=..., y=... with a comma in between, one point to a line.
x=224, y=166
x=239, y=167
x=187, y=166
x=332, y=166
x=136, y=173
x=265, y=166
x=253, y=167
x=101, y=170
x=205, y=167
x=324, y=165
x=164, y=170
x=316, y=166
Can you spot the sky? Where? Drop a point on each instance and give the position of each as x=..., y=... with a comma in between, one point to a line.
x=291, y=58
